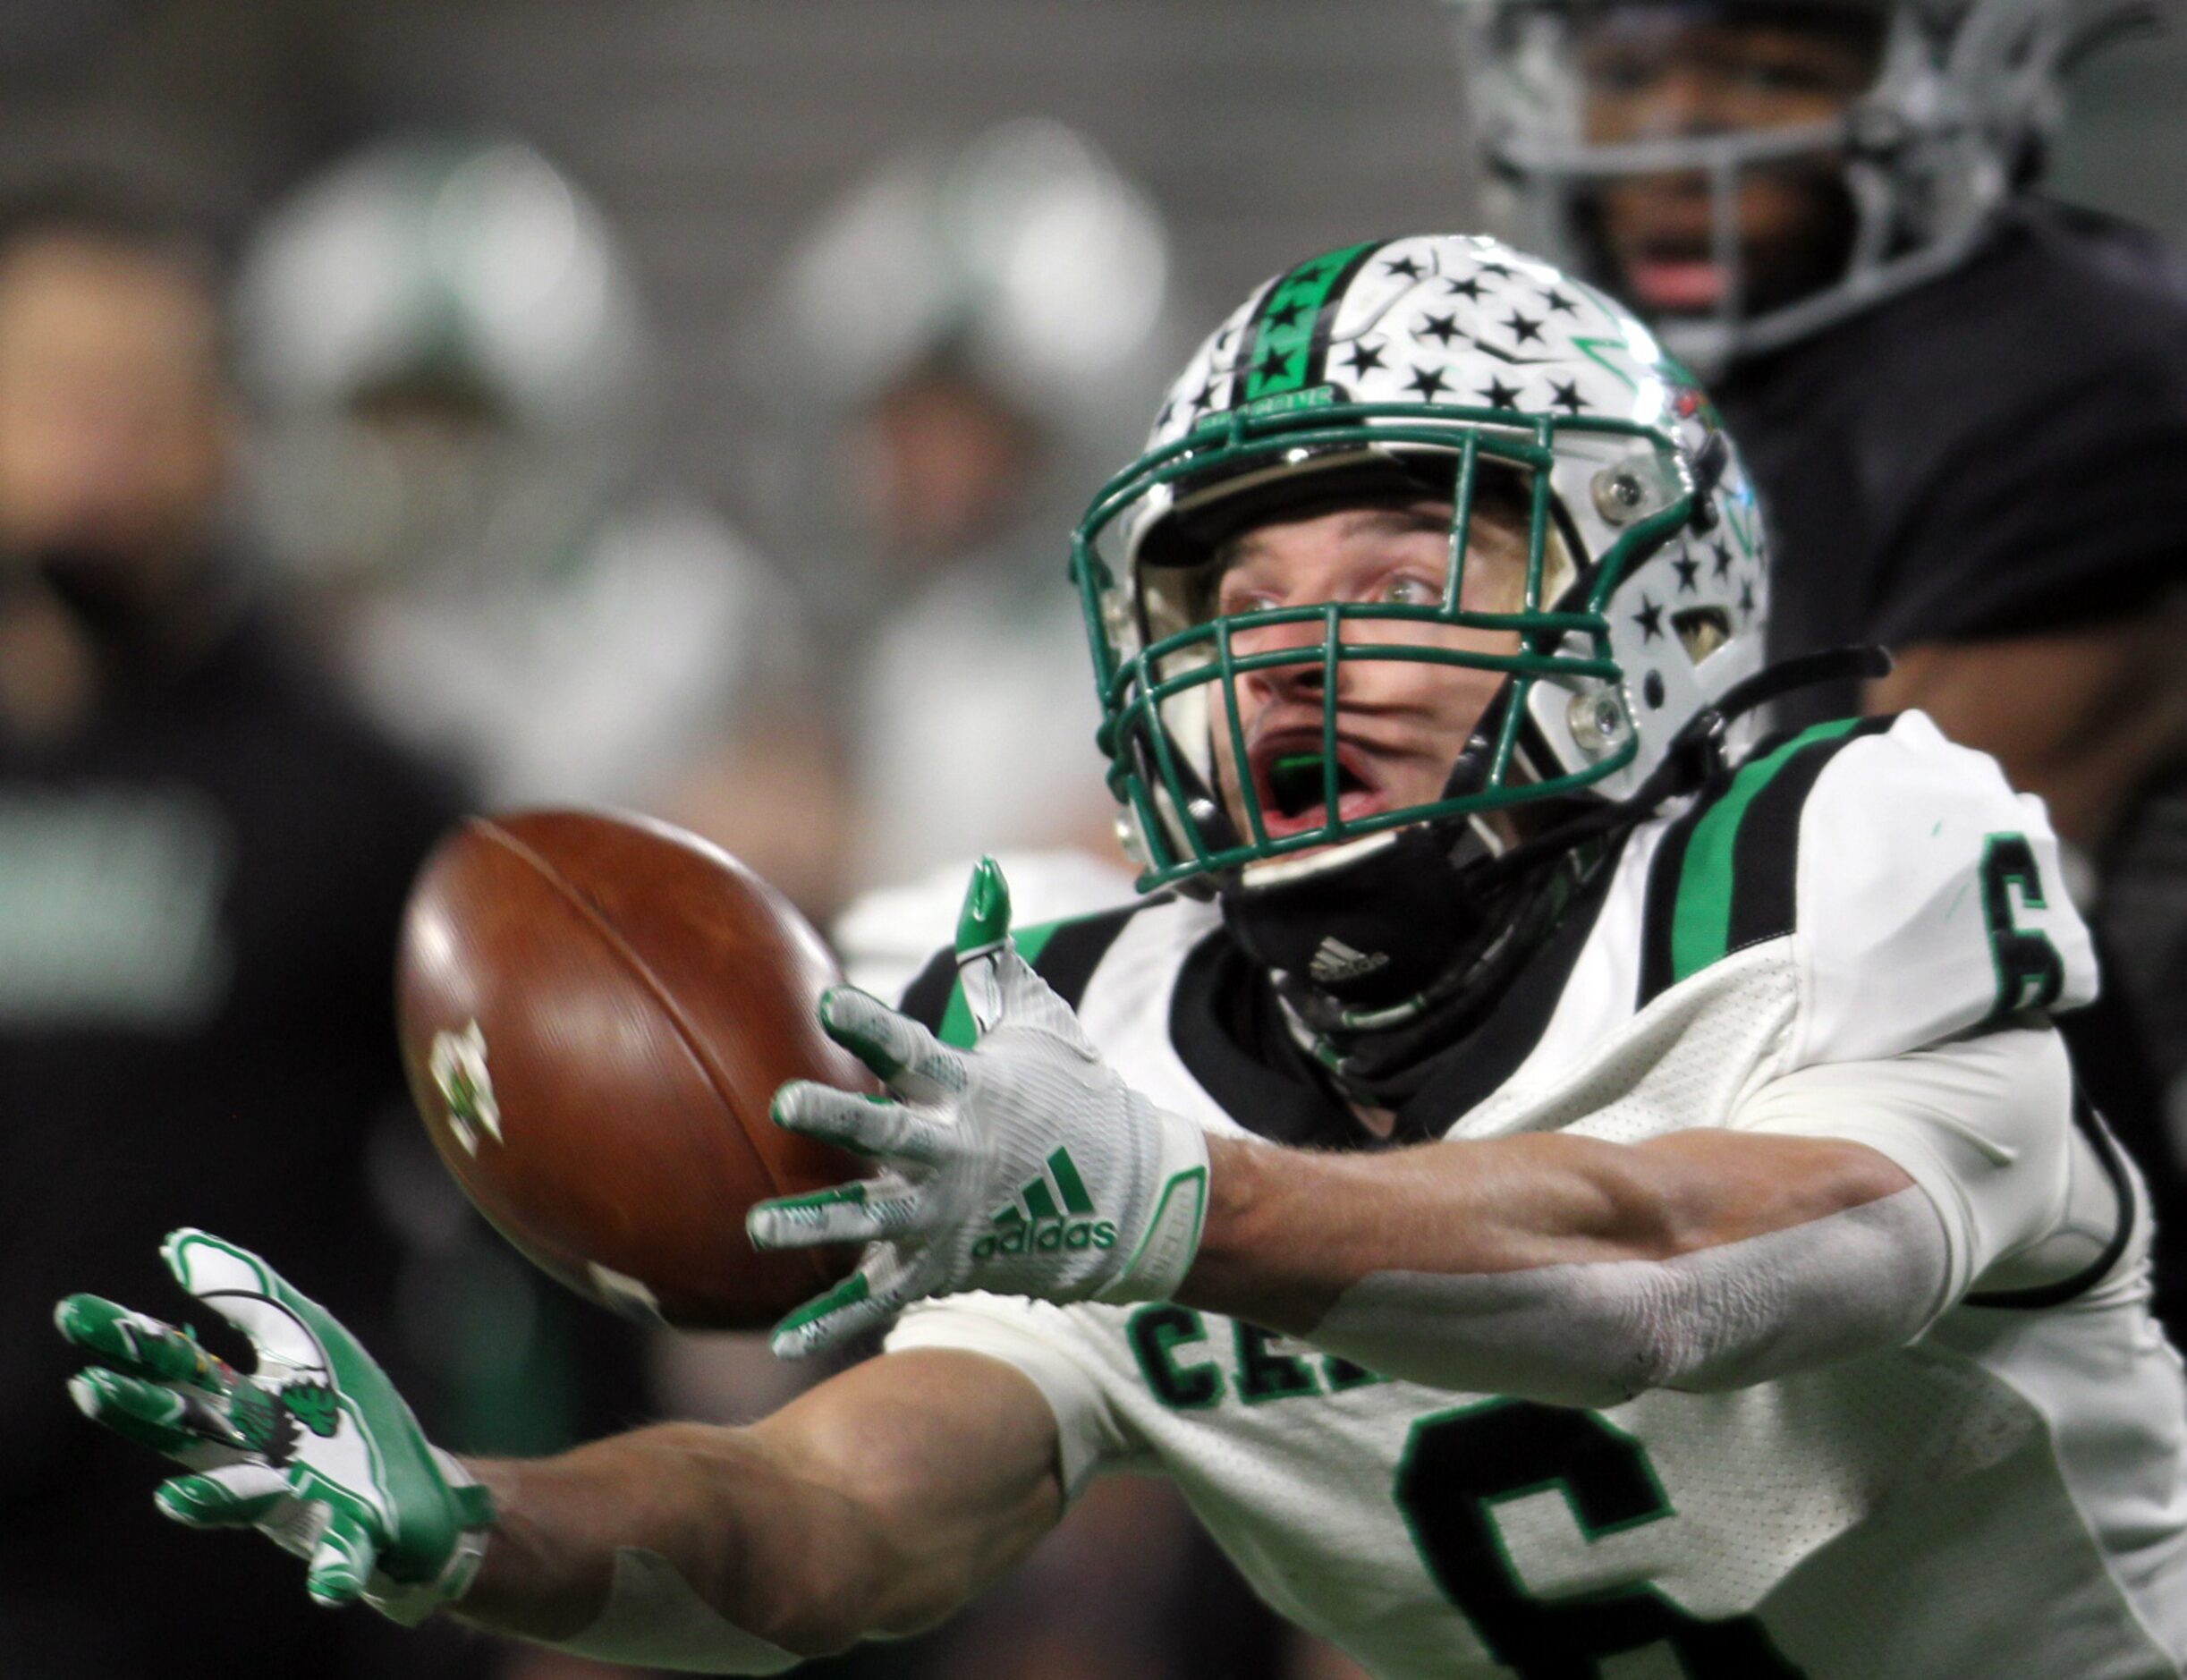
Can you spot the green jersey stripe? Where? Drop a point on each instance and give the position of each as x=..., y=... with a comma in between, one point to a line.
x=1702, y=916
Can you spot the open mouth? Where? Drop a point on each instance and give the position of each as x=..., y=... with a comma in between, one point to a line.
x=1679, y=283
x=1294, y=787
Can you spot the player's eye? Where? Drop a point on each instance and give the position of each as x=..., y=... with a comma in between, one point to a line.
x=1229, y=602
x=1410, y=590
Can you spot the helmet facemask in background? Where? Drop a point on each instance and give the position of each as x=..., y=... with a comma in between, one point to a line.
x=1746, y=172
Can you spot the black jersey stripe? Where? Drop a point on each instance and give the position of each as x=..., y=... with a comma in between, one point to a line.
x=1661, y=900
x=926, y=999
x=1713, y=889
x=1065, y=954
x=1765, y=852
x=1074, y=949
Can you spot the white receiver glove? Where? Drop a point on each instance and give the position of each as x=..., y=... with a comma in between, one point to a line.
x=1022, y=1166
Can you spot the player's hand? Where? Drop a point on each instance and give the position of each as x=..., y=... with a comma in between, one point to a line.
x=314, y=1445
x=1025, y=1166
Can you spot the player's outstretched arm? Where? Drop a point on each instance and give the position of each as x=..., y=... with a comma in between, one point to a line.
x=1552, y=1267
x=876, y=1503
x=1844, y=1209
x=312, y=1446
x=1574, y=1271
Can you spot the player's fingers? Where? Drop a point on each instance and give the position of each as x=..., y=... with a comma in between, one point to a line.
x=904, y=1054
x=170, y=1421
x=853, y=1305
x=864, y=1125
x=1026, y=1002
x=138, y=1346
x=283, y=1325
x=984, y=921
x=235, y=1495
x=850, y=1213
x=342, y=1562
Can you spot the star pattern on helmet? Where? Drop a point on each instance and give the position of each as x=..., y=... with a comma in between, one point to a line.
x=1564, y=394
x=1522, y=330
x=1497, y=394
x=1467, y=288
x=1496, y=268
x=1427, y=381
x=1405, y=265
x=1649, y=618
x=1283, y=319
x=1723, y=551
x=1206, y=399
x=1442, y=328
x=1558, y=304
x=1364, y=356
x=1746, y=599
x=1689, y=572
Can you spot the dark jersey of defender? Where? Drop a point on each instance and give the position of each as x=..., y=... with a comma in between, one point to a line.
x=1996, y=453
x=2003, y=451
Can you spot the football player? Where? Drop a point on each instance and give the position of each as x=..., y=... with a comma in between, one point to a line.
x=1551, y=1184
x=1961, y=401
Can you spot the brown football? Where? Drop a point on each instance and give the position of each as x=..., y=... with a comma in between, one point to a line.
x=595, y=1011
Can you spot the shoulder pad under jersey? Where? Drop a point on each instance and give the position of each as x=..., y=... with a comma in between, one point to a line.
x=1923, y=896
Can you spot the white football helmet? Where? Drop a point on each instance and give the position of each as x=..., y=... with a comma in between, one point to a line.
x=1427, y=363
x=1023, y=256
x=448, y=354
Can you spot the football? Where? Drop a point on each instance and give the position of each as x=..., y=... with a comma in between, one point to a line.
x=596, y=1010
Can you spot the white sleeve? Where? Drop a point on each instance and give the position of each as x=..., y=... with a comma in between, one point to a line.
x=1983, y=1125
x=1932, y=900
x=1031, y=1337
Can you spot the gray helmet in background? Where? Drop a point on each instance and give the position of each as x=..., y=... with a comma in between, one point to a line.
x=1963, y=101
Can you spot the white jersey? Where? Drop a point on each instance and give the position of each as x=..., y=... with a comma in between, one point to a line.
x=2005, y=1497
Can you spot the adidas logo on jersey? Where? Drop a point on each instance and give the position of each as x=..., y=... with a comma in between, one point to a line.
x=1334, y=963
x=1055, y=1214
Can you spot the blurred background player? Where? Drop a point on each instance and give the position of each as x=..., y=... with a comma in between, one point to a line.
x=1964, y=403
x=457, y=470
x=957, y=348
x=202, y=856
x=957, y=345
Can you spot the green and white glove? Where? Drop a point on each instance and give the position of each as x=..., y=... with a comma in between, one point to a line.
x=314, y=1447
x=1024, y=1166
